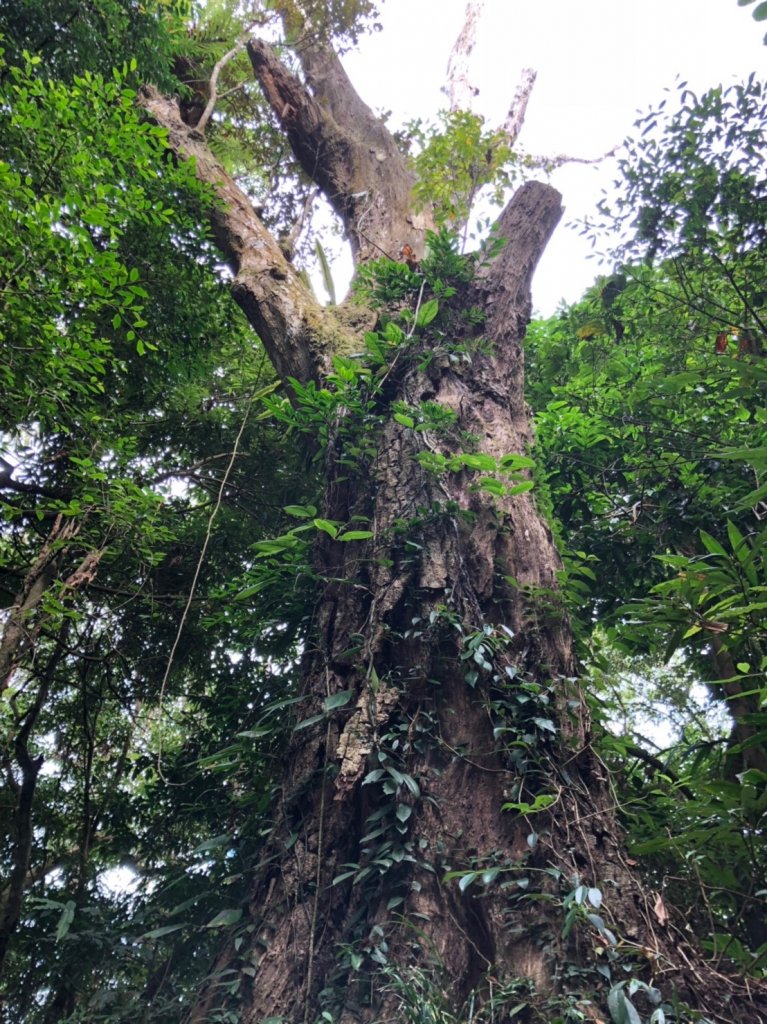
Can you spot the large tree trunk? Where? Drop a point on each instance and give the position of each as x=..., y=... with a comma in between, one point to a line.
x=446, y=629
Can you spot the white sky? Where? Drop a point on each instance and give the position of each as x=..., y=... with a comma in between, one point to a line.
x=599, y=62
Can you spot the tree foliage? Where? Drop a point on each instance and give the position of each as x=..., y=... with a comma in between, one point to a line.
x=649, y=398
x=128, y=377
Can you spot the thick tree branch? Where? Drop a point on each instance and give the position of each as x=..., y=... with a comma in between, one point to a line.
x=298, y=334
x=345, y=149
x=526, y=224
x=460, y=92
x=504, y=287
x=21, y=626
x=21, y=487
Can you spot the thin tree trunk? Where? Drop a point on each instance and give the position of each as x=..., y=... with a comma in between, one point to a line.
x=743, y=703
x=25, y=621
x=21, y=828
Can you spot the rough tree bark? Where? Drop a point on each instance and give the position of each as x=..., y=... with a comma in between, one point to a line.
x=446, y=564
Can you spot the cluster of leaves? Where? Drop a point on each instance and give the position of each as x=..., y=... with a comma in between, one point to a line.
x=455, y=161
x=387, y=843
x=635, y=434
x=126, y=378
x=650, y=429
x=71, y=37
x=692, y=181
x=341, y=20
x=349, y=410
x=425, y=997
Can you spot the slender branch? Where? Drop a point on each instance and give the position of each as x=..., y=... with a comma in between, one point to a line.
x=289, y=240
x=196, y=577
x=657, y=766
x=11, y=908
x=551, y=163
x=8, y=483
x=461, y=92
x=20, y=630
x=217, y=69
x=696, y=304
x=747, y=305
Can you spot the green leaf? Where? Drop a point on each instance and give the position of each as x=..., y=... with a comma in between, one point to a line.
x=491, y=485
x=541, y=802
x=65, y=920
x=327, y=527
x=621, y=1008
x=306, y=722
x=344, y=875
x=327, y=275
x=403, y=812
x=738, y=541
x=276, y=546
x=406, y=421
x=157, y=933
x=213, y=844
x=546, y=724
x=513, y=462
x=760, y=14
x=756, y=456
x=480, y=462
x=521, y=488
x=300, y=511
x=225, y=918
x=427, y=313
x=337, y=700
x=466, y=880
x=712, y=545
x=356, y=535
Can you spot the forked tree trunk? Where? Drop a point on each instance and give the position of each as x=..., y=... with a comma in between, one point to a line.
x=355, y=873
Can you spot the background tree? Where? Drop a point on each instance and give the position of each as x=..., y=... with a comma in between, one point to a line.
x=650, y=423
